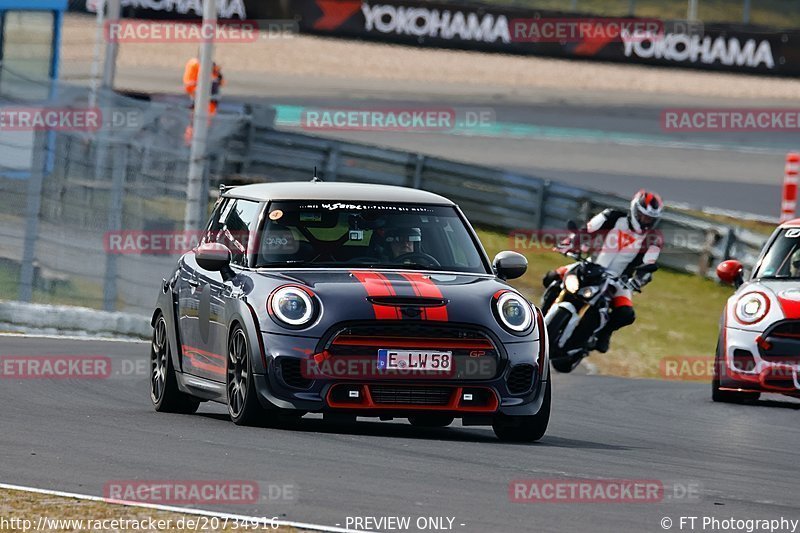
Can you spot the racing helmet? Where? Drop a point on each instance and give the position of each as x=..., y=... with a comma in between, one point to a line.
x=794, y=264
x=404, y=236
x=646, y=210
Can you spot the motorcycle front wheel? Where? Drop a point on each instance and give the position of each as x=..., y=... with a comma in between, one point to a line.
x=559, y=360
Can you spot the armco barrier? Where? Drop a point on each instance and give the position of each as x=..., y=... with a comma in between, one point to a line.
x=86, y=184
x=490, y=197
x=491, y=28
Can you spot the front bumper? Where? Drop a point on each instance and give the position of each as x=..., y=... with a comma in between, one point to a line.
x=754, y=362
x=286, y=386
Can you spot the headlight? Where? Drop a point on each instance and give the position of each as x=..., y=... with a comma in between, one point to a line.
x=572, y=283
x=292, y=305
x=588, y=292
x=752, y=307
x=514, y=312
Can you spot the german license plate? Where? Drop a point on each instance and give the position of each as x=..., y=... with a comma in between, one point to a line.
x=414, y=360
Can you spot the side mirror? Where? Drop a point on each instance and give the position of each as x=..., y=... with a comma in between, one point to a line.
x=731, y=272
x=649, y=268
x=571, y=225
x=509, y=265
x=214, y=257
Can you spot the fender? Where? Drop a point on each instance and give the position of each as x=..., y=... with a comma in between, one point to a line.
x=239, y=310
x=165, y=305
x=569, y=329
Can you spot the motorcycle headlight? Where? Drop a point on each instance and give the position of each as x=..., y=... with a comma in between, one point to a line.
x=292, y=306
x=513, y=312
x=588, y=292
x=752, y=307
x=572, y=283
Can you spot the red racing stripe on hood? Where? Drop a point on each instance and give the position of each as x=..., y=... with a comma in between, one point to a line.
x=377, y=285
x=425, y=287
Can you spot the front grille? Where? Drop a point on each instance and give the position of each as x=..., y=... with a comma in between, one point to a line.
x=292, y=374
x=786, y=329
x=520, y=379
x=403, y=395
x=475, y=355
x=783, y=340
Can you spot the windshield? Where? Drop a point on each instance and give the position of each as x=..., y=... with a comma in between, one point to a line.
x=783, y=258
x=344, y=234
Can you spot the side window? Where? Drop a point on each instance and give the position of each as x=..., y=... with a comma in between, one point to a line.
x=214, y=224
x=232, y=225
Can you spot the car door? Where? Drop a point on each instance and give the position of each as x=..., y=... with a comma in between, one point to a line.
x=194, y=305
x=208, y=357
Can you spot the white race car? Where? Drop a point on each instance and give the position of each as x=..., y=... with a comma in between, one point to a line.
x=759, y=341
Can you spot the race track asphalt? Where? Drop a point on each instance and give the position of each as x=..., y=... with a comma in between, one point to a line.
x=735, y=460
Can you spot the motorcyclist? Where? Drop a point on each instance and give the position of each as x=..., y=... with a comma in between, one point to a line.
x=629, y=240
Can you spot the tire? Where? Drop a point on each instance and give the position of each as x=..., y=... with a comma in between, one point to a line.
x=164, y=392
x=524, y=428
x=559, y=362
x=431, y=421
x=565, y=365
x=243, y=406
x=726, y=396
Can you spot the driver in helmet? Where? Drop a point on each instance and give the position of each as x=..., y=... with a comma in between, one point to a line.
x=629, y=240
x=794, y=264
x=403, y=241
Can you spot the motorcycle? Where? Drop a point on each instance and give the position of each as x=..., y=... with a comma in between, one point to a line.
x=578, y=306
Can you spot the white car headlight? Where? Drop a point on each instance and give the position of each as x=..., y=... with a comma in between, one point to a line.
x=572, y=283
x=514, y=312
x=292, y=305
x=752, y=307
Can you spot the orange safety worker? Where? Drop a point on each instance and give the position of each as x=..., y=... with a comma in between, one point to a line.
x=190, y=75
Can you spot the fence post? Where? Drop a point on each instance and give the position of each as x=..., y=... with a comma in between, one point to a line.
x=539, y=215
x=728, y=242
x=332, y=162
x=418, y=166
x=32, y=213
x=707, y=255
x=115, y=208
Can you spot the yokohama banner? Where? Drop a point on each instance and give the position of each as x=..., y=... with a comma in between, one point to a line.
x=551, y=33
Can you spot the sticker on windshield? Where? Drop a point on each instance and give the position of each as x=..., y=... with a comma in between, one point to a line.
x=275, y=215
x=310, y=217
x=793, y=233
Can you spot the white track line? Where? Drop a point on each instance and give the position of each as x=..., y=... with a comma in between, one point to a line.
x=72, y=337
x=168, y=508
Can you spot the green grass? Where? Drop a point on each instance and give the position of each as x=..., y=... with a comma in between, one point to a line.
x=775, y=13
x=677, y=315
x=77, y=291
